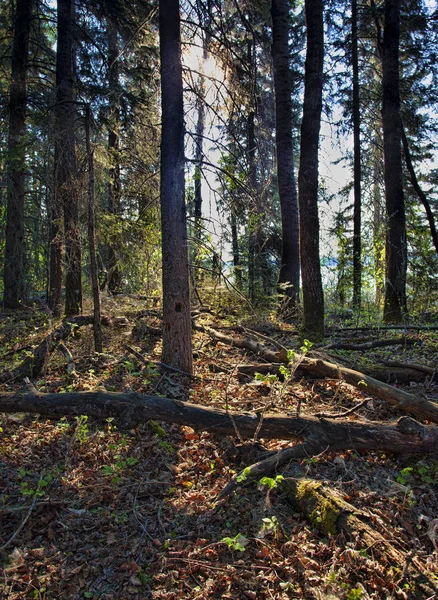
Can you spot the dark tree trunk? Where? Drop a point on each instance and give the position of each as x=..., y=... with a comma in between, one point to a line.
x=14, y=268
x=200, y=126
x=290, y=258
x=66, y=192
x=114, y=185
x=97, y=325
x=313, y=298
x=253, y=219
x=420, y=193
x=357, y=241
x=177, y=341
x=396, y=246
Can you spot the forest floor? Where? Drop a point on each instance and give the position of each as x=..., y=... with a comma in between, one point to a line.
x=89, y=511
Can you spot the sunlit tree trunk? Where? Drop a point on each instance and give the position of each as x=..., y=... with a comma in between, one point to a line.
x=396, y=245
x=378, y=229
x=177, y=341
x=290, y=260
x=14, y=267
x=313, y=298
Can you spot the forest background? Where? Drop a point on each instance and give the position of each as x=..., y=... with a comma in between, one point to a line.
x=108, y=82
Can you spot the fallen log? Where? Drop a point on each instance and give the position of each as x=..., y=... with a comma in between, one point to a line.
x=406, y=436
x=390, y=374
x=413, y=404
x=431, y=371
x=247, y=344
x=331, y=514
x=33, y=365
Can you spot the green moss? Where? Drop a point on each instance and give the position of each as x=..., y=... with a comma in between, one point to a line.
x=322, y=512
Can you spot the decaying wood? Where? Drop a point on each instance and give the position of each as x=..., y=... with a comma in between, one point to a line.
x=247, y=344
x=33, y=365
x=331, y=514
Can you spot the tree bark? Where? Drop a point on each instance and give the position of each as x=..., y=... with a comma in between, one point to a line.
x=65, y=190
x=14, y=266
x=289, y=276
x=313, y=298
x=177, y=342
x=396, y=244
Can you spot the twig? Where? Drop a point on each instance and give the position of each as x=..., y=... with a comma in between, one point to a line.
x=344, y=414
x=266, y=338
x=71, y=370
x=23, y=523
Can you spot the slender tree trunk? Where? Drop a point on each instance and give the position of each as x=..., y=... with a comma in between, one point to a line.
x=14, y=268
x=97, y=326
x=290, y=258
x=253, y=221
x=422, y=196
x=396, y=245
x=236, y=251
x=313, y=298
x=200, y=126
x=65, y=190
x=177, y=341
x=114, y=185
x=357, y=241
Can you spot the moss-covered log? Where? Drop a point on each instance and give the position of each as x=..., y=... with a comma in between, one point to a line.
x=331, y=514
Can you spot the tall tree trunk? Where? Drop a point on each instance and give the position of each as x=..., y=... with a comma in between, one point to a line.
x=313, y=298
x=14, y=268
x=357, y=241
x=290, y=257
x=396, y=245
x=177, y=341
x=97, y=325
x=114, y=185
x=66, y=185
x=253, y=219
